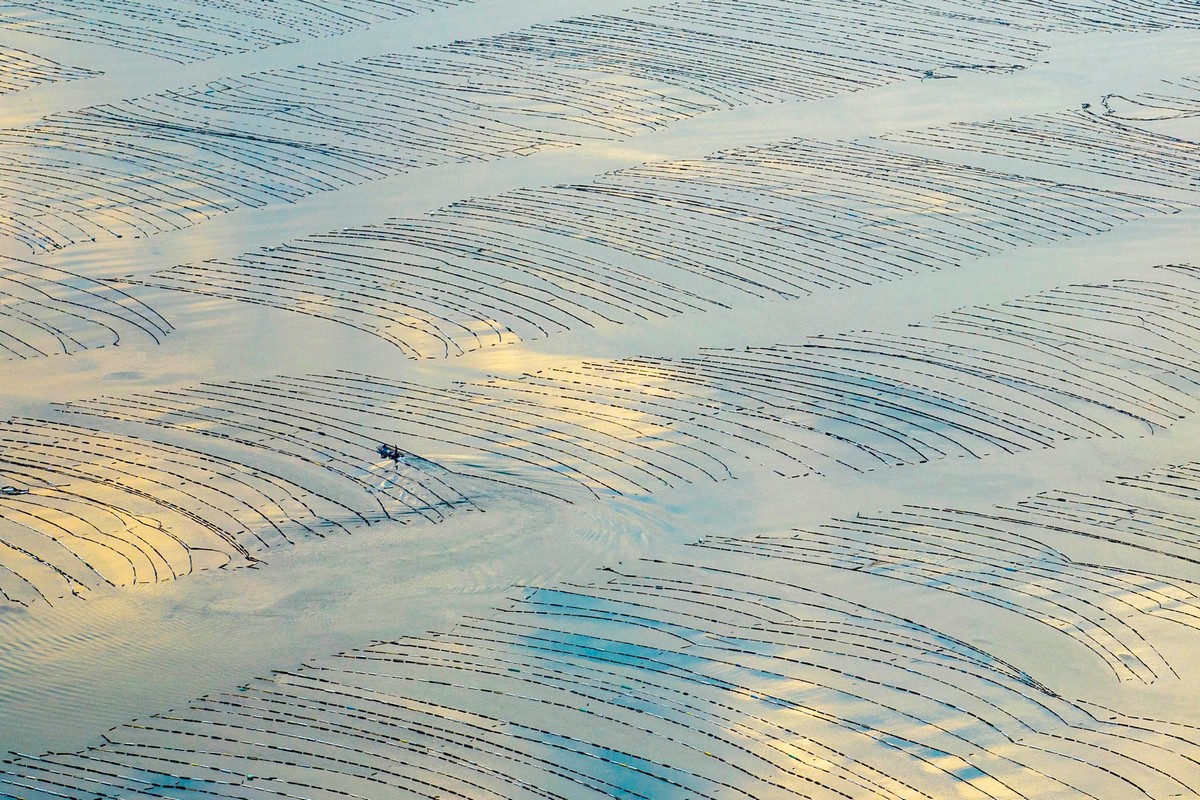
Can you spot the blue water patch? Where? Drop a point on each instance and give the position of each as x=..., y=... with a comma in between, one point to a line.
x=626, y=776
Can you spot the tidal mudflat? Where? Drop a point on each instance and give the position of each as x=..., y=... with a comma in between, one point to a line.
x=692, y=399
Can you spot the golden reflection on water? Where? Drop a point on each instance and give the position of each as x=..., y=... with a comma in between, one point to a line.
x=222, y=339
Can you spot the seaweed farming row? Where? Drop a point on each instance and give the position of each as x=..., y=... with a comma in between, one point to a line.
x=1016, y=559
x=928, y=650
x=1105, y=360
x=905, y=35
x=655, y=241
x=82, y=509
x=276, y=136
x=234, y=467
x=185, y=31
x=1115, y=139
x=45, y=311
x=116, y=170
x=1072, y=16
x=708, y=679
x=724, y=67
x=272, y=137
x=20, y=70
x=192, y=30
x=1178, y=99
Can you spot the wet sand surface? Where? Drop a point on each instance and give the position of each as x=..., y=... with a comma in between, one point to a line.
x=698, y=399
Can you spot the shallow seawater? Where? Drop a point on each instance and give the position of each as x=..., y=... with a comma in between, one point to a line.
x=679, y=398
x=73, y=671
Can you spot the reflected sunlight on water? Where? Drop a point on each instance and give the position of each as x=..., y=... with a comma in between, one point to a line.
x=713, y=398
